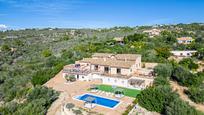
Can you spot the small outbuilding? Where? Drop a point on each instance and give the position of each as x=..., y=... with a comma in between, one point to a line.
x=119, y=40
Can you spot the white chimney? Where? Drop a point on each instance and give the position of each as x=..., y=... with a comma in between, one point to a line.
x=104, y=59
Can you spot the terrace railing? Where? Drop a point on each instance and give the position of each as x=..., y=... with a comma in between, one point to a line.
x=76, y=71
x=96, y=72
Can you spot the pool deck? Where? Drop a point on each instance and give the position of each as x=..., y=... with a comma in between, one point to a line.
x=70, y=90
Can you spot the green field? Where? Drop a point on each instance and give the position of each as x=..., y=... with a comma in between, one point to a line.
x=127, y=92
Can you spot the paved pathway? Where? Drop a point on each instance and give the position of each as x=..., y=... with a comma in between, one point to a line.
x=69, y=90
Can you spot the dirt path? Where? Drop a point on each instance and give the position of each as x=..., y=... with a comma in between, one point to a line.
x=180, y=90
x=56, y=106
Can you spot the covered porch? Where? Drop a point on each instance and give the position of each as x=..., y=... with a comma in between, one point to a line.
x=137, y=83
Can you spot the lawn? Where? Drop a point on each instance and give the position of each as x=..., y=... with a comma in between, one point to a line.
x=127, y=92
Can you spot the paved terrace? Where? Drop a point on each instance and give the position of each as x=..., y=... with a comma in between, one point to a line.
x=69, y=90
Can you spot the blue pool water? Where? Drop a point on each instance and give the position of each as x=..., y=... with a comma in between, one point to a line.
x=100, y=100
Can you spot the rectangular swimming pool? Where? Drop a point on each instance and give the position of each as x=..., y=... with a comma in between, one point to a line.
x=105, y=102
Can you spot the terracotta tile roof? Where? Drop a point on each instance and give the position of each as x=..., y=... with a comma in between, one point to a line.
x=129, y=57
x=102, y=55
x=185, y=38
x=150, y=65
x=109, y=62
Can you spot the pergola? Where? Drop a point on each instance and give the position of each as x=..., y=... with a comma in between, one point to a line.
x=137, y=82
x=89, y=102
x=119, y=92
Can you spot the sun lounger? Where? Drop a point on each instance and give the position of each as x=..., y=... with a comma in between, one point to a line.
x=90, y=106
x=107, y=94
x=98, y=92
x=103, y=93
x=119, y=95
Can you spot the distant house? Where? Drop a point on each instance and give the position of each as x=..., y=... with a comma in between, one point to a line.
x=13, y=49
x=72, y=32
x=183, y=53
x=149, y=65
x=185, y=40
x=119, y=40
x=201, y=66
x=11, y=37
x=153, y=32
x=123, y=70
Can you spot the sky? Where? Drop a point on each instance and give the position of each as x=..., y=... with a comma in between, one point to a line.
x=19, y=14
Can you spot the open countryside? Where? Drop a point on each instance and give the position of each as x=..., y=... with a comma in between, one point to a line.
x=101, y=57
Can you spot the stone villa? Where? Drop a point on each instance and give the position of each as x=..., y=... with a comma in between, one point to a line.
x=123, y=70
x=153, y=32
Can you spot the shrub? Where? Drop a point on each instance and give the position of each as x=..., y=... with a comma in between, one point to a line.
x=186, y=78
x=128, y=109
x=196, y=94
x=163, y=52
x=77, y=112
x=70, y=78
x=41, y=77
x=160, y=80
x=38, y=101
x=179, y=107
x=42, y=92
x=70, y=106
x=65, y=38
x=155, y=98
x=164, y=70
x=134, y=37
x=46, y=53
x=67, y=54
x=188, y=63
x=5, y=47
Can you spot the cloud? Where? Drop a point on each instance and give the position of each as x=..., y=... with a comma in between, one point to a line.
x=3, y=27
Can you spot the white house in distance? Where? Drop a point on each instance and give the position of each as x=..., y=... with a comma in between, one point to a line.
x=113, y=69
x=188, y=53
x=185, y=40
x=119, y=40
x=153, y=32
